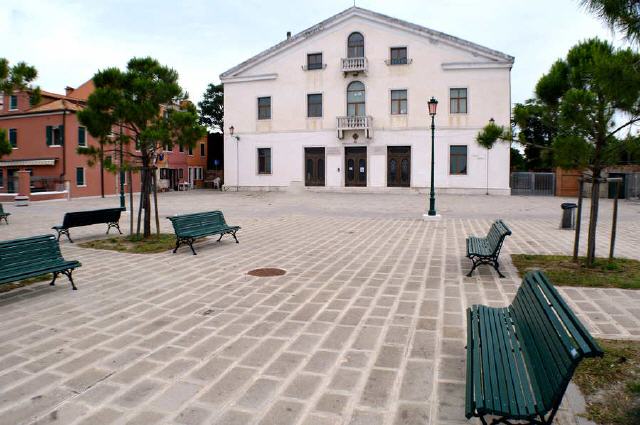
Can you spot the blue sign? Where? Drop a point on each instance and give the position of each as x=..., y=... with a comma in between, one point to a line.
x=216, y=162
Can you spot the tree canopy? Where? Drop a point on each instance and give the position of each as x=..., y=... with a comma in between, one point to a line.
x=620, y=15
x=144, y=105
x=212, y=108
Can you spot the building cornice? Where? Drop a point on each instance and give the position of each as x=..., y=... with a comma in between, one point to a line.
x=248, y=78
x=34, y=114
x=476, y=65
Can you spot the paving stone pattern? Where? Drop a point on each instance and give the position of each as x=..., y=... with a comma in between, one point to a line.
x=366, y=328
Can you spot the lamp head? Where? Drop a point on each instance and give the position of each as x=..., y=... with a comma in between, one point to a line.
x=433, y=106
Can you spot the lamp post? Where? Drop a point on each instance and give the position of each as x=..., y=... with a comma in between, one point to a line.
x=492, y=122
x=433, y=106
x=237, y=138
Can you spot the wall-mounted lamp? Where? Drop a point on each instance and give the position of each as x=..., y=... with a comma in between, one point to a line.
x=492, y=121
x=231, y=131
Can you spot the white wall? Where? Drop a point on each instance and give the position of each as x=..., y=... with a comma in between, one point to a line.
x=289, y=130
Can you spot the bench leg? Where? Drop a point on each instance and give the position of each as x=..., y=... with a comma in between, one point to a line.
x=234, y=237
x=177, y=245
x=114, y=225
x=69, y=273
x=190, y=242
x=475, y=265
x=5, y=219
x=496, y=266
x=220, y=238
x=64, y=232
x=53, y=282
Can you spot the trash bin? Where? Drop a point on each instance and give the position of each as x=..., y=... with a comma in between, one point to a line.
x=568, y=215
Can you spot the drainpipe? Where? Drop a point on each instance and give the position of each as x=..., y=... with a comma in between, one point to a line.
x=64, y=144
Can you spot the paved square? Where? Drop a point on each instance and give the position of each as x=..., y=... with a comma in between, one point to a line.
x=366, y=328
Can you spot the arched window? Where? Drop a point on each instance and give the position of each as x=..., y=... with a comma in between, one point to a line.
x=355, y=45
x=355, y=99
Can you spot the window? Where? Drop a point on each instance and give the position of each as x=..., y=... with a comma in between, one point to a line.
x=398, y=56
x=264, y=108
x=180, y=173
x=80, y=177
x=314, y=61
x=181, y=148
x=82, y=136
x=13, y=102
x=55, y=135
x=13, y=137
x=398, y=102
x=355, y=45
x=190, y=150
x=314, y=105
x=355, y=99
x=458, y=100
x=1, y=178
x=202, y=152
x=264, y=160
x=458, y=159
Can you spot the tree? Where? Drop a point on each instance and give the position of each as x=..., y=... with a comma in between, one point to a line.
x=12, y=78
x=536, y=125
x=143, y=105
x=487, y=138
x=518, y=161
x=620, y=15
x=212, y=108
x=585, y=93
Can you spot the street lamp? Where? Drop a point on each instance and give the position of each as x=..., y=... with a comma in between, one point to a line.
x=433, y=106
x=237, y=138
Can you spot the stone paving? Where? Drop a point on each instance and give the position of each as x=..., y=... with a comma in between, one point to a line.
x=366, y=328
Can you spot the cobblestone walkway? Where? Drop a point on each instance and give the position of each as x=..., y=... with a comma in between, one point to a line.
x=366, y=327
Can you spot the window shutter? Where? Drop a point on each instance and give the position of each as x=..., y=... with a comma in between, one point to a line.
x=61, y=130
x=49, y=135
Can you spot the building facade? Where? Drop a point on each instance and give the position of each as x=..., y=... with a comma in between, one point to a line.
x=45, y=139
x=344, y=104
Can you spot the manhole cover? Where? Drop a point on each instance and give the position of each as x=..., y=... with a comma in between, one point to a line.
x=266, y=272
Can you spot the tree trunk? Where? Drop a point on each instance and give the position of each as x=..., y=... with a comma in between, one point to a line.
x=131, y=202
x=593, y=218
x=155, y=202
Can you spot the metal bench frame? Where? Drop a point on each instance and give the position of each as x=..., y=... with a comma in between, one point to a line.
x=84, y=218
x=206, y=230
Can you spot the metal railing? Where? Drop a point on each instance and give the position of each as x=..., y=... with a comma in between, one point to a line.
x=533, y=184
x=354, y=64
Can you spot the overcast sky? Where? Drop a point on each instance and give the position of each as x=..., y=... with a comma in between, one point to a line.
x=69, y=40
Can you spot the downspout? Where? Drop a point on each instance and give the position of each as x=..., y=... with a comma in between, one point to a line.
x=64, y=144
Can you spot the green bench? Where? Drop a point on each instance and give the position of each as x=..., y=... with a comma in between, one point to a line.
x=4, y=215
x=108, y=216
x=189, y=227
x=521, y=358
x=486, y=250
x=35, y=256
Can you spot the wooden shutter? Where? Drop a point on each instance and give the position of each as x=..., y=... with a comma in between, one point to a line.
x=49, y=135
x=61, y=132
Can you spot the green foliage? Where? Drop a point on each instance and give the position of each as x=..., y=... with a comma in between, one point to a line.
x=492, y=133
x=5, y=146
x=518, y=162
x=144, y=105
x=212, y=108
x=620, y=15
x=19, y=77
x=537, y=126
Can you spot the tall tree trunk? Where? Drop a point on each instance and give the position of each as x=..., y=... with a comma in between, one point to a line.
x=593, y=217
x=155, y=201
x=130, y=202
x=147, y=202
x=140, y=204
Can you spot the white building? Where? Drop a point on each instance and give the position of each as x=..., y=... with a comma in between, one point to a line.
x=344, y=103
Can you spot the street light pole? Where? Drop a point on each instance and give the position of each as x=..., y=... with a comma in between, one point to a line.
x=237, y=139
x=433, y=104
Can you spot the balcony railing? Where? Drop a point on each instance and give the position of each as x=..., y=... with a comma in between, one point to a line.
x=355, y=123
x=354, y=65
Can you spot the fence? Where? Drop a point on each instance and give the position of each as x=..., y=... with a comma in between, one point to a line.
x=533, y=184
x=632, y=184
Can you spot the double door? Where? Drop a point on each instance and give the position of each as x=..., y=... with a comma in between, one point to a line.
x=355, y=166
x=399, y=166
x=314, y=167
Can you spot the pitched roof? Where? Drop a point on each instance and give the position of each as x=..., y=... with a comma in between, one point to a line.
x=365, y=13
x=57, y=105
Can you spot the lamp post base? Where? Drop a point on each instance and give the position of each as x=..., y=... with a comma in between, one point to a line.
x=427, y=217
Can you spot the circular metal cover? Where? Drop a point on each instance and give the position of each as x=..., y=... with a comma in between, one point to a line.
x=266, y=272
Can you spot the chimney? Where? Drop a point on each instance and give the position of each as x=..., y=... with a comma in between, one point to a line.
x=288, y=35
x=68, y=90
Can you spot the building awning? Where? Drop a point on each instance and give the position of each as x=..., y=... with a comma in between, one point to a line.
x=28, y=162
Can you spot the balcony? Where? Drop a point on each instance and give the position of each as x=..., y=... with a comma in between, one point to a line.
x=364, y=123
x=354, y=65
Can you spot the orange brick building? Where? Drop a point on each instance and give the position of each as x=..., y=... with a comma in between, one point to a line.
x=45, y=138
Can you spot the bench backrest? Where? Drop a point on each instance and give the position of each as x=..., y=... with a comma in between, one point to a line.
x=498, y=231
x=87, y=218
x=19, y=254
x=553, y=339
x=186, y=222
